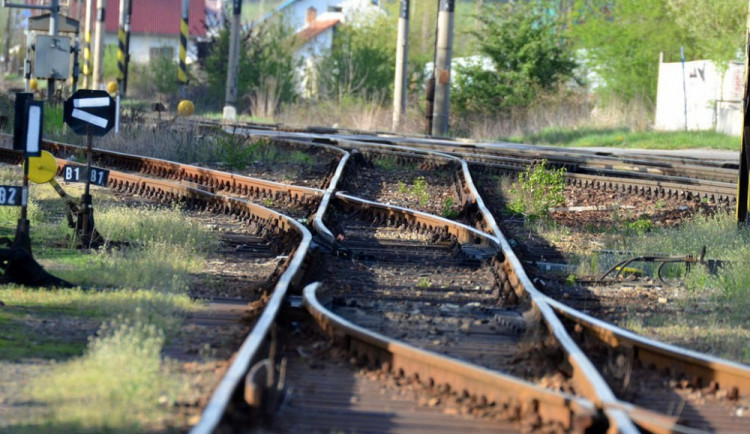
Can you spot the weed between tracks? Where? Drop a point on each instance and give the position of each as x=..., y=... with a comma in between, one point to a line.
x=417, y=190
x=97, y=352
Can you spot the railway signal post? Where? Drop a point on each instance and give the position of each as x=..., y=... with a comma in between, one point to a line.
x=744, y=176
x=17, y=262
x=184, y=33
x=89, y=112
x=122, y=45
x=27, y=137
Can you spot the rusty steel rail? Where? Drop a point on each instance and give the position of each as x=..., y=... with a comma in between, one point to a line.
x=250, y=351
x=197, y=177
x=248, y=354
x=318, y=224
x=517, y=153
x=468, y=188
x=572, y=412
x=419, y=220
x=464, y=145
x=731, y=376
x=585, y=376
x=661, y=180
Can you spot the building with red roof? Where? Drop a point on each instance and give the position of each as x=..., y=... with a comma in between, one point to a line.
x=154, y=25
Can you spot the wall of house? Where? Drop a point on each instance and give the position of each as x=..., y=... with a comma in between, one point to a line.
x=308, y=56
x=296, y=13
x=713, y=99
x=141, y=46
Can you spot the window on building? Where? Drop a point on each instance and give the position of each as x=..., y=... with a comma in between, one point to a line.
x=161, y=53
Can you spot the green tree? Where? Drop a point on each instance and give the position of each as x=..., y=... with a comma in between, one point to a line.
x=530, y=53
x=717, y=27
x=622, y=40
x=360, y=61
x=266, y=55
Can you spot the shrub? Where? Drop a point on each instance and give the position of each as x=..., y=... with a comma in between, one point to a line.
x=529, y=55
x=537, y=190
x=359, y=63
x=266, y=57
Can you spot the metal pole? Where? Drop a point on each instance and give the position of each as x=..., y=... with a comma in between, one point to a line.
x=402, y=60
x=121, y=46
x=85, y=219
x=684, y=84
x=8, y=38
x=53, y=27
x=184, y=33
x=443, y=68
x=101, y=6
x=744, y=176
x=76, y=65
x=430, y=87
x=230, y=111
x=27, y=63
x=87, y=46
x=128, y=15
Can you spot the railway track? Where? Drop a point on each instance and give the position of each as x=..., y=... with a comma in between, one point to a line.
x=472, y=291
x=647, y=175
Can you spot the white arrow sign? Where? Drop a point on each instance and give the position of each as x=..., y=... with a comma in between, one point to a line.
x=91, y=102
x=90, y=112
x=88, y=117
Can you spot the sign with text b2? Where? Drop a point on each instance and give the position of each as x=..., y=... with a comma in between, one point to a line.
x=12, y=195
x=78, y=174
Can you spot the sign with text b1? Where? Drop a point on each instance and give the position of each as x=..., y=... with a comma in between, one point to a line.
x=12, y=195
x=90, y=110
x=78, y=174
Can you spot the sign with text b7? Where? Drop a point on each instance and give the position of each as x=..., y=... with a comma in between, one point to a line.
x=90, y=111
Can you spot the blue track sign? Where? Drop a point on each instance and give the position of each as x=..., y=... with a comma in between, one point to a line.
x=12, y=195
x=78, y=174
x=90, y=110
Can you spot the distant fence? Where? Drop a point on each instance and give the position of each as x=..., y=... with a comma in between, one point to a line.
x=712, y=103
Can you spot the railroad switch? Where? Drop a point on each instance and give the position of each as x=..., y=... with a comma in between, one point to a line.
x=713, y=265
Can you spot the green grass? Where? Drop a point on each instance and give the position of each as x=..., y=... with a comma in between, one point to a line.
x=388, y=163
x=160, y=308
x=19, y=341
x=135, y=300
x=148, y=225
x=626, y=138
x=119, y=385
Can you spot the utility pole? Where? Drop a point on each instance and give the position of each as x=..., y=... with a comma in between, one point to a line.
x=744, y=176
x=53, y=27
x=230, y=111
x=76, y=65
x=444, y=51
x=128, y=17
x=430, y=86
x=402, y=60
x=101, y=6
x=121, y=53
x=184, y=33
x=8, y=38
x=87, y=45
